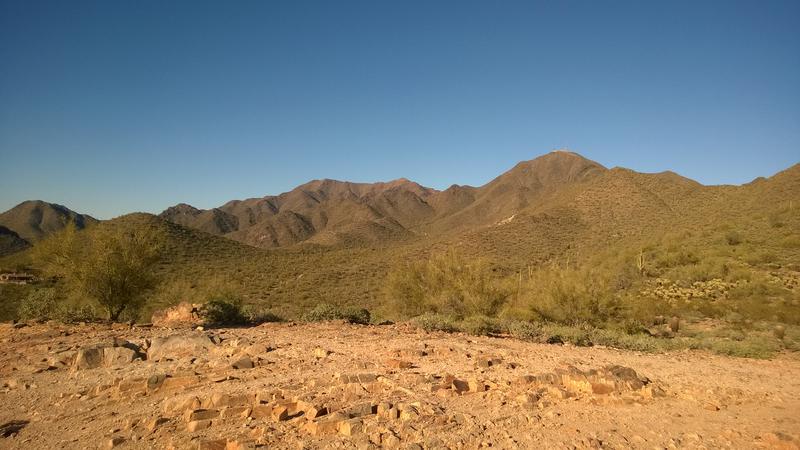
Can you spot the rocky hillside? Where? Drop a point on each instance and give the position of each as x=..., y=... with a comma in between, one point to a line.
x=10, y=242
x=597, y=206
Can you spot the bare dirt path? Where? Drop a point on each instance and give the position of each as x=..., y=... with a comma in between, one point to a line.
x=333, y=385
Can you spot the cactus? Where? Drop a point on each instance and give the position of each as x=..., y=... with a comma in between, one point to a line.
x=640, y=262
x=780, y=332
x=674, y=324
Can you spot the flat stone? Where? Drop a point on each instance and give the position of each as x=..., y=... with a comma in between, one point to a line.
x=200, y=414
x=198, y=425
x=243, y=363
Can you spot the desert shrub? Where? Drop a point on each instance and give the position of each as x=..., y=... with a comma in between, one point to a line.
x=327, y=311
x=111, y=265
x=436, y=322
x=80, y=312
x=790, y=242
x=638, y=342
x=258, y=315
x=753, y=346
x=578, y=334
x=445, y=284
x=39, y=304
x=733, y=237
x=223, y=312
x=523, y=330
x=570, y=296
x=481, y=325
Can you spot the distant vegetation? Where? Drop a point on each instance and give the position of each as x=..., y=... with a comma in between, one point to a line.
x=609, y=258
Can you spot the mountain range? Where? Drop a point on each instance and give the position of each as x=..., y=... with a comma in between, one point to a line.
x=335, y=241
x=561, y=186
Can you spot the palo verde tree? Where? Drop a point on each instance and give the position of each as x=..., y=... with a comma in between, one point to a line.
x=108, y=263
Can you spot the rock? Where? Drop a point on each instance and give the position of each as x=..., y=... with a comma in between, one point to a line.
x=119, y=356
x=155, y=381
x=179, y=346
x=321, y=353
x=216, y=444
x=460, y=386
x=280, y=413
x=236, y=411
x=114, y=442
x=398, y=364
x=192, y=415
x=153, y=424
x=197, y=425
x=476, y=386
x=350, y=427
x=115, y=353
x=261, y=411
x=88, y=358
x=243, y=363
x=183, y=314
x=179, y=382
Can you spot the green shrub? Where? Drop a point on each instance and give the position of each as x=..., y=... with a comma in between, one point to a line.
x=436, y=322
x=39, y=304
x=327, y=311
x=445, y=284
x=74, y=313
x=571, y=296
x=222, y=312
x=258, y=315
x=481, y=325
x=733, y=238
x=523, y=330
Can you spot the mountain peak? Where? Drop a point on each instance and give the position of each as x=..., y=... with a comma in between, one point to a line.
x=33, y=220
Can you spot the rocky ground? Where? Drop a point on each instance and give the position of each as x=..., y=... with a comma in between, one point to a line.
x=334, y=385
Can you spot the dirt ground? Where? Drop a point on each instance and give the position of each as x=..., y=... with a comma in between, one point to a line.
x=334, y=385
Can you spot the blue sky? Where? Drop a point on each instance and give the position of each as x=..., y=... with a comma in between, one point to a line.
x=110, y=107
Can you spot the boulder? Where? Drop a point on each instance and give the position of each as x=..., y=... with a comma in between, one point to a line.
x=179, y=346
x=181, y=315
x=114, y=353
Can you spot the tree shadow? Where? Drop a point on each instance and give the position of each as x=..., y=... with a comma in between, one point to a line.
x=12, y=427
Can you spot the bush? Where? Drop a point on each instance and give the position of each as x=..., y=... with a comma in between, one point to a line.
x=39, y=304
x=222, y=312
x=481, y=325
x=326, y=311
x=525, y=331
x=74, y=313
x=109, y=264
x=571, y=296
x=733, y=238
x=445, y=284
x=436, y=322
x=258, y=315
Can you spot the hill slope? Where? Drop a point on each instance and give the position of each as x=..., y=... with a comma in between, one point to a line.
x=10, y=242
x=33, y=220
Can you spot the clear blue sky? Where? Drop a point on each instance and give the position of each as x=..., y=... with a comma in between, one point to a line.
x=109, y=107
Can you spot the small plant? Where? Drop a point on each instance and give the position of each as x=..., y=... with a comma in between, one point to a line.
x=259, y=315
x=525, y=331
x=480, y=325
x=436, y=322
x=326, y=311
x=733, y=238
x=222, y=312
x=39, y=304
x=674, y=324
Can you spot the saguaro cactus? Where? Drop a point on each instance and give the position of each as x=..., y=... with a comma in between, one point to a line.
x=674, y=324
